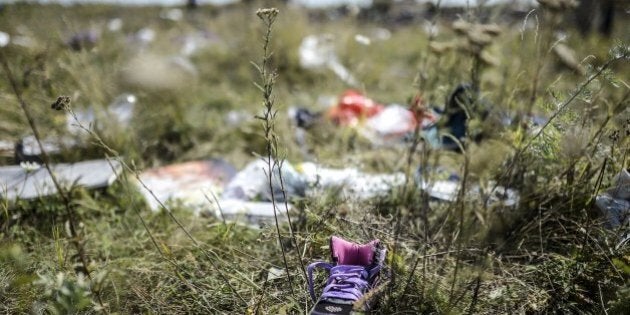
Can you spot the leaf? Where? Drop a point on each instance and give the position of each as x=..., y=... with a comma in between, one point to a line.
x=256, y=66
x=259, y=87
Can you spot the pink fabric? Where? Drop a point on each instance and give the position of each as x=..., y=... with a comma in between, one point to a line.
x=348, y=253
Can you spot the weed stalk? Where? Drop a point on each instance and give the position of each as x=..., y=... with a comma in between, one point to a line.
x=268, y=118
x=73, y=221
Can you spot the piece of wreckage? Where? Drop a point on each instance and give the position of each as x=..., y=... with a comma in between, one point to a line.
x=31, y=181
x=395, y=124
x=213, y=187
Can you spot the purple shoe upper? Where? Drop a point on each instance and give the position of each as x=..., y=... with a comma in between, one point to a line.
x=352, y=272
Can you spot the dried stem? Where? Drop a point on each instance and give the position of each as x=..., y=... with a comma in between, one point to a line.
x=73, y=221
x=268, y=17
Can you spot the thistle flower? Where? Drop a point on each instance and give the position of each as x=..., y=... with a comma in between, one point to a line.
x=490, y=29
x=442, y=47
x=461, y=27
x=478, y=35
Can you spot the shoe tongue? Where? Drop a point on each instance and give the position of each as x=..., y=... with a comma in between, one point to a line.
x=348, y=253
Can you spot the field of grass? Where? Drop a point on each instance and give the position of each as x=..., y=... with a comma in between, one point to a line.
x=549, y=254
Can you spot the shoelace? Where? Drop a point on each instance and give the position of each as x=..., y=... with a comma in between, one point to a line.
x=346, y=282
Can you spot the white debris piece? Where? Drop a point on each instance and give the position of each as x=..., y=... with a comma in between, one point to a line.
x=191, y=183
x=26, y=182
x=5, y=39
x=318, y=51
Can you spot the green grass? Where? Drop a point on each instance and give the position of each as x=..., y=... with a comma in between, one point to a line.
x=550, y=254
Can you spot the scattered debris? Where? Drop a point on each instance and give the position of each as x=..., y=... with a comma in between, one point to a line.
x=196, y=184
x=5, y=39
x=119, y=112
x=394, y=122
x=307, y=178
x=445, y=186
x=196, y=41
x=362, y=39
x=246, y=194
x=28, y=146
x=122, y=108
x=145, y=36
x=27, y=181
x=353, y=183
x=251, y=213
x=381, y=33
x=382, y=125
x=214, y=186
x=318, y=51
x=274, y=273
x=303, y=118
x=192, y=183
x=462, y=106
x=252, y=183
x=173, y=14
x=115, y=24
x=352, y=108
x=235, y=118
x=83, y=40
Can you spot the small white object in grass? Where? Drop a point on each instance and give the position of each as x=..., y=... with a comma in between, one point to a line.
x=131, y=98
x=430, y=28
x=4, y=39
x=115, y=25
x=235, y=118
x=381, y=34
x=31, y=147
x=121, y=109
x=275, y=273
x=145, y=35
x=316, y=51
x=362, y=39
x=174, y=14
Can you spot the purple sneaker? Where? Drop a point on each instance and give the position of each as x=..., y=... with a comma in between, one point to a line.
x=353, y=272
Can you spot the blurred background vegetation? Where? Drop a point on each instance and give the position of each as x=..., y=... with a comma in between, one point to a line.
x=193, y=81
